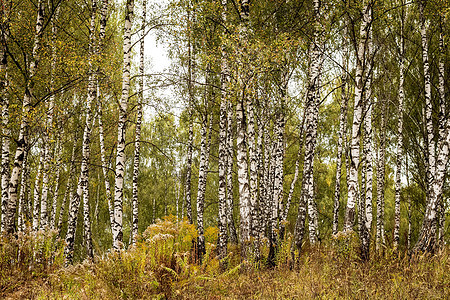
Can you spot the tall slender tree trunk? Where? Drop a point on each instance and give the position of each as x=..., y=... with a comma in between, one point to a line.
x=105, y=164
x=444, y=125
x=369, y=158
x=48, y=134
x=4, y=98
x=275, y=205
x=36, y=194
x=365, y=197
x=137, y=143
x=381, y=178
x=22, y=141
x=313, y=218
x=357, y=120
x=427, y=235
x=6, y=131
x=408, y=241
x=307, y=202
x=68, y=194
x=22, y=218
x=223, y=155
x=121, y=128
x=242, y=169
x=278, y=169
x=261, y=169
x=266, y=192
x=205, y=146
x=92, y=96
x=401, y=97
x=285, y=211
x=229, y=170
x=56, y=187
x=341, y=136
x=253, y=178
x=187, y=192
x=83, y=181
x=241, y=143
x=368, y=146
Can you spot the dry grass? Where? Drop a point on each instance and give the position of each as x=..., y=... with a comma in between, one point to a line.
x=161, y=266
x=322, y=275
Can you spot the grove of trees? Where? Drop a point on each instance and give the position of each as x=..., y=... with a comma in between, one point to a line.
x=278, y=120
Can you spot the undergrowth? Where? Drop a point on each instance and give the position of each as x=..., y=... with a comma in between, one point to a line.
x=162, y=265
x=28, y=257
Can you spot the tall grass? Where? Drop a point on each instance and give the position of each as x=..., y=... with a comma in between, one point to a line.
x=29, y=256
x=162, y=266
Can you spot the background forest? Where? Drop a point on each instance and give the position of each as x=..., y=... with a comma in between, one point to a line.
x=280, y=125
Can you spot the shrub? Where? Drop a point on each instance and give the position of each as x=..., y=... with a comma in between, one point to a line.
x=28, y=255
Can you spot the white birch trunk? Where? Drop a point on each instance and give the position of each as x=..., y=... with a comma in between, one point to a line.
x=37, y=184
x=294, y=181
x=341, y=135
x=401, y=97
x=22, y=141
x=357, y=121
x=278, y=171
x=187, y=192
x=205, y=146
x=241, y=145
x=442, y=146
x=368, y=145
x=230, y=161
x=242, y=173
x=223, y=155
x=6, y=131
x=379, y=240
x=268, y=167
x=48, y=133
x=105, y=165
x=56, y=187
x=4, y=98
x=68, y=194
x=22, y=218
x=306, y=203
x=137, y=143
x=368, y=148
x=121, y=129
x=83, y=181
x=253, y=179
x=427, y=235
x=408, y=241
x=187, y=188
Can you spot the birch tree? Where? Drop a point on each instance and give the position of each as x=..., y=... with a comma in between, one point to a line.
x=437, y=156
x=223, y=155
x=6, y=131
x=82, y=191
x=121, y=127
x=187, y=188
x=401, y=97
x=381, y=165
x=341, y=136
x=22, y=141
x=48, y=134
x=241, y=144
x=357, y=119
x=137, y=143
x=311, y=119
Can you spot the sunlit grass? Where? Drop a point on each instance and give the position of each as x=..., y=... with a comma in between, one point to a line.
x=162, y=266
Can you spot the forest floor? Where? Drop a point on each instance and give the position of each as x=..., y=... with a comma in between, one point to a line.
x=319, y=276
x=159, y=267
